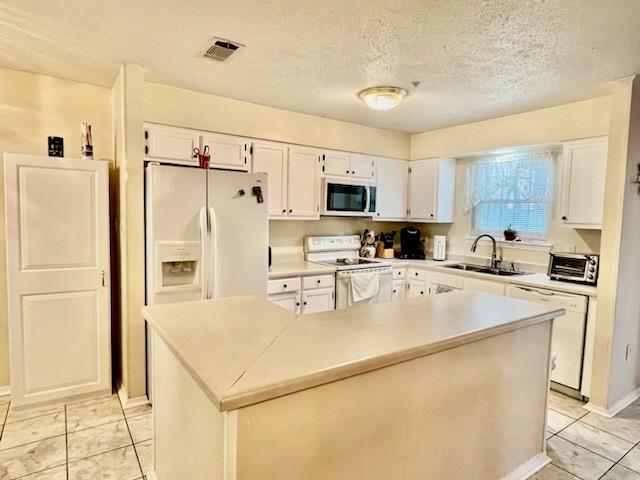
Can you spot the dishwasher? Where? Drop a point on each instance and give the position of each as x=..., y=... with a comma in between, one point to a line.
x=568, y=338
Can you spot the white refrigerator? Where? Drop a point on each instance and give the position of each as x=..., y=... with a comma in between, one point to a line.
x=207, y=234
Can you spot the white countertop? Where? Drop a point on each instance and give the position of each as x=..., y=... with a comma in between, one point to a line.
x=244, y=350
x=536, y=280
x=298, y=268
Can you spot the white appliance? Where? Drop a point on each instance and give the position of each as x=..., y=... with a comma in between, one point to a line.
x=207, y=234
x=348, y=197
x=341, y=251
x=439, y=247
x=58, y=292
x=567, y=345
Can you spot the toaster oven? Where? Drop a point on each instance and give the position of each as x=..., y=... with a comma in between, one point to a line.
x=574, y=267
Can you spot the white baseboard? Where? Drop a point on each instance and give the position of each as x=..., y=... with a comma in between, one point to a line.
x=528, y=468
x=5, y=390
x=131, y=402
x=151, y=475
x=617, y=407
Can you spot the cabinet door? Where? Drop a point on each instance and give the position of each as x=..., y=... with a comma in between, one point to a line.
x=422, y=190
x=320, y=300
x=170, y=144
x=392, y=182
x=484, y=286
x=417, y=288
x=303, y=184
x=227, y=152
x=271, y=158
x=585, y=164
x=399, y=291
x=288, y=301
x=362, y=167
x=336, y=164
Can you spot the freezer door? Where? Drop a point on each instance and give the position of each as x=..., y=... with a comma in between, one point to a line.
x=176, y=231
x=238, y=246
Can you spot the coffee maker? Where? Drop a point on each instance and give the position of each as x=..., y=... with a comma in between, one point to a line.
x=410, y=244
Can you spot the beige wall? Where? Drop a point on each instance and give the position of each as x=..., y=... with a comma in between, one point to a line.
x=589, y=118
x=185, y=108
x=33, y=107
x=615, y=375
x=548, y=126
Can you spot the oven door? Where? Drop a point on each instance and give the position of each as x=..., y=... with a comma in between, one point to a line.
x=568, y=267
x=346, y=198
x=343, y=287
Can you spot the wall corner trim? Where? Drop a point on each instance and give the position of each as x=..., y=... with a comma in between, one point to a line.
x=617, y=407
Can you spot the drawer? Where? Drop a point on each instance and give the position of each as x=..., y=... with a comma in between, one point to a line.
x=415, y=274
x=399, y=273
x=446, y=279
x=283, y=285
x=318, y=281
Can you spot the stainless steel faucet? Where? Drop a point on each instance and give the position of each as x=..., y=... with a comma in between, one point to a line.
x=494, y=254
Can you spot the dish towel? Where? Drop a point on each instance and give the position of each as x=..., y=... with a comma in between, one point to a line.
x=364, y=286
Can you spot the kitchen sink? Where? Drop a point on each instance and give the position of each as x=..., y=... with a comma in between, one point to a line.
x=501, y=272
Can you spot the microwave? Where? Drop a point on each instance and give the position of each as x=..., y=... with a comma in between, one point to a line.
x=574, y=267
x=348, y=198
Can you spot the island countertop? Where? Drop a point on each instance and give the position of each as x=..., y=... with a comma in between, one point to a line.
x=245, y=350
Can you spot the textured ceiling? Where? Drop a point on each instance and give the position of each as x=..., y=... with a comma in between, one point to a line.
x=475, y=59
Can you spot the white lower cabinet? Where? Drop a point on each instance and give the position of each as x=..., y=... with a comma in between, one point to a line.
x=484, y=286
x=304, y=295
x=417, y=288
x=399, y=291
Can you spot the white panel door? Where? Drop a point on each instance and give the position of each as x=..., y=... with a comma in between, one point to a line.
x=271, y=158
x=585, y=169
x=417, y=288
x=239, y=234
x=392, y=182
x=319, y=300
x=336, y=164
x=171, y=144
x=400, y=290
x=363, y=167
x=422, y=190
x=303, y=191
x=227, y=152
x=57, y=224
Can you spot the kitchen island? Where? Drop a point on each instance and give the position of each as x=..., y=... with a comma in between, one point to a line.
x=449, y=386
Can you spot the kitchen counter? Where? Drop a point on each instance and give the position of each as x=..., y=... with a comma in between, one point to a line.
x=246, y=389
x=298, y=268
x=268, y=352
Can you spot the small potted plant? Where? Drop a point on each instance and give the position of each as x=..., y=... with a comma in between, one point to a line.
x=510, y=234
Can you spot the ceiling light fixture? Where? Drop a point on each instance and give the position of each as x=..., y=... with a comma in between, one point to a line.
x=382, y=98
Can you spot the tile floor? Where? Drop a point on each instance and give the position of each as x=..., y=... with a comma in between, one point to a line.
x=97, y=439
x=92, y=439
x=586, y=446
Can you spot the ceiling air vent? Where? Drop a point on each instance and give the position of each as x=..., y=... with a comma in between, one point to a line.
x=221, y=49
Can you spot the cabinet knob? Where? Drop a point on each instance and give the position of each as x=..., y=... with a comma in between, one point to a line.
x=416, y=274
x=564, y=217
x=290, y=211
x=284, y=286
x=284, y=210
x=395, y=291
x=318, y=281
x=297, y=304
x=421, y=292
x=347, y=172
x=304, y=303
x=431, y=215
x=353, y=172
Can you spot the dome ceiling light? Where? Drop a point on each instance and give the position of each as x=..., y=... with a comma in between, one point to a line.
x=382, y=98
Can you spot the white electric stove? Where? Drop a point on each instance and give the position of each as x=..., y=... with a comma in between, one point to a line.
x=342, y=252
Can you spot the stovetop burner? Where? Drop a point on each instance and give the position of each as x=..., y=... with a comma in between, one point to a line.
x=353, y=261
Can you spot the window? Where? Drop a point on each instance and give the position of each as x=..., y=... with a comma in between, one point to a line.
x=511, y=190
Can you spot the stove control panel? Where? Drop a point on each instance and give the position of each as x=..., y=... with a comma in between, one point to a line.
x=327, y=243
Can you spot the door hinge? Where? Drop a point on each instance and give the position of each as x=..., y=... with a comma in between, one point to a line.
x=409, y=169
x=146, y=134
x=146, y=150
x=323, y=157
x=323, y=168
x=251, y=150
x=104, y=281
x=317, y=208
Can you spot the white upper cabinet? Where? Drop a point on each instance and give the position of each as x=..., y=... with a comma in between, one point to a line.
x=391, y=193
x=303, y=183
x=362, y=166
x=271, y=158
x=227, y=151
x=585, y=164
x=171, y=144
x=352, y=165
x=432, y=190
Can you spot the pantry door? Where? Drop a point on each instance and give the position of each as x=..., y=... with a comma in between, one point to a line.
x=57, y=228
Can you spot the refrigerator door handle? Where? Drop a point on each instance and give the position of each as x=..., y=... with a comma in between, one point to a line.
x=213, y=254
x=204, y=230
